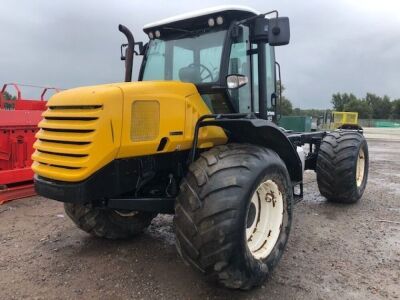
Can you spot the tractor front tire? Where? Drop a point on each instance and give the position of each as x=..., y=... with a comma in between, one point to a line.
x=107, y=223
x=342, y=166
x=233, y=214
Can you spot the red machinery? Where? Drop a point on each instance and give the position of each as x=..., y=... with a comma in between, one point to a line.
x=18, y=126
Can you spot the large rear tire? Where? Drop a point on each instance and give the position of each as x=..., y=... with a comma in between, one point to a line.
x=107, y=223
x=342, y=166
x=233, y=214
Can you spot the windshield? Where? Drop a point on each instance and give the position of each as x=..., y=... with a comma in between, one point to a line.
x=195, y=58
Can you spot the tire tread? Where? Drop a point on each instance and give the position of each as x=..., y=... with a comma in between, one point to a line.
x=335, y=166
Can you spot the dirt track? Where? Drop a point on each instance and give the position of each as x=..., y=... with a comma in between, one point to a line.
x=334, y=251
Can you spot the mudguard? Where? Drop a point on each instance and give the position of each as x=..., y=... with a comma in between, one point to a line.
x=263, y=133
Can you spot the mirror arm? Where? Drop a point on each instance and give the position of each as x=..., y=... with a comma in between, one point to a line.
x=262, y=77
x=260, y=15
x=278, y=115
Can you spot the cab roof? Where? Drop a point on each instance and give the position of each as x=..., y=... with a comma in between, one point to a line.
x=187, y=20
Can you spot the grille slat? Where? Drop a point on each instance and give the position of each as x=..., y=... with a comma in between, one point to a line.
x=64, y=142
x=63, y=154
x=71, y=118
x=68, y=124
x=68, y=137
x=65, y=136
x=67, y=130
x=51, y=159
x=61, y=167
x=62, y=147
x=75, y=107
x=73, y=113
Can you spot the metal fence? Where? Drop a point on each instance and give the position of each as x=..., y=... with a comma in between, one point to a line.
x=379, y=123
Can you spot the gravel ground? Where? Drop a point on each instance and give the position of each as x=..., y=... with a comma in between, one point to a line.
x=334, y=251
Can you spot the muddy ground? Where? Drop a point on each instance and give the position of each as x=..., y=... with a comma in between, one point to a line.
x=334, y=251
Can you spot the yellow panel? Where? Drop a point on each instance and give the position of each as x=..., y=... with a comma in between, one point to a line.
x=86, y=128
x=83, y=133
x=145, y=120
x=338, y=117
x=180, y=107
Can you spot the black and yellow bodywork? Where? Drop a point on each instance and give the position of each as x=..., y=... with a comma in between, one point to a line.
x=79, y=137
x=86, y=130
x=136, y=140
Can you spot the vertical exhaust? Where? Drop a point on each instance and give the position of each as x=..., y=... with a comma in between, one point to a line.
x=129, y=52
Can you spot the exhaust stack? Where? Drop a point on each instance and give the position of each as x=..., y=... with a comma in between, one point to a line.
x=129, y=52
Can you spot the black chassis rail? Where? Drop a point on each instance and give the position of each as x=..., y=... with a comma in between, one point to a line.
x=313, y=139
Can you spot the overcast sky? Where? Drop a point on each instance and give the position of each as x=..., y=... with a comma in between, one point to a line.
x=347, y=46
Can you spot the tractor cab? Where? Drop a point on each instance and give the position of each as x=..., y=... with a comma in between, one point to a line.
x=219, y=51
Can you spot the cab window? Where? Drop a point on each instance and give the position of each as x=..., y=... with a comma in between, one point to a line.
x=239, y=63
x=270, y=59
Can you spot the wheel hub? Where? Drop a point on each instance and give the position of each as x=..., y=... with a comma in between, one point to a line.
x=251, y=215
x=264, y=219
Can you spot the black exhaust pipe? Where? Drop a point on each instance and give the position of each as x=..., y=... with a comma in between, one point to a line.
x=129, y=52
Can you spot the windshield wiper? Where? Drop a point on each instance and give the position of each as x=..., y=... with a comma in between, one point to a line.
x=185, y=32
x=177, y=29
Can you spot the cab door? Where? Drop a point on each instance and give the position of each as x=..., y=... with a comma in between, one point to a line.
x=243, y=60
x=270, y=80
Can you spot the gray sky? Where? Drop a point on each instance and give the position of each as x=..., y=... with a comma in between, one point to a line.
x=347, y=46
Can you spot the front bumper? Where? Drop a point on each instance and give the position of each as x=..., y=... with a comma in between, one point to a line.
x=114, y=179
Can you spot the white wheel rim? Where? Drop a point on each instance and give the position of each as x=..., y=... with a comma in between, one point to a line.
x=264, y=219
x=360, y=167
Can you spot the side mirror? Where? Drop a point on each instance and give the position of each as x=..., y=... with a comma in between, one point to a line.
x=278, y=31
x=236, y=81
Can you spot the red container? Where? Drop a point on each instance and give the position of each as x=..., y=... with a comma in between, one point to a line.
x=18, y=126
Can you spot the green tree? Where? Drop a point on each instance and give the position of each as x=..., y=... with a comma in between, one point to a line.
x=286, y=106
x=361, y=106
x=396, y=109
x=340, y=100
x=8, y=96
x=381, y=107
x=297, y=112
x=315, y=113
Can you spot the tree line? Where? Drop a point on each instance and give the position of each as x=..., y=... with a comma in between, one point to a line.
x=369, y=107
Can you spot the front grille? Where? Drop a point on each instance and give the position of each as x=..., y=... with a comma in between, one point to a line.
x=66, y=135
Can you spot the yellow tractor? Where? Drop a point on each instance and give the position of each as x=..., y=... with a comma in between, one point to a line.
x=196, y=137
x=333, y=120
